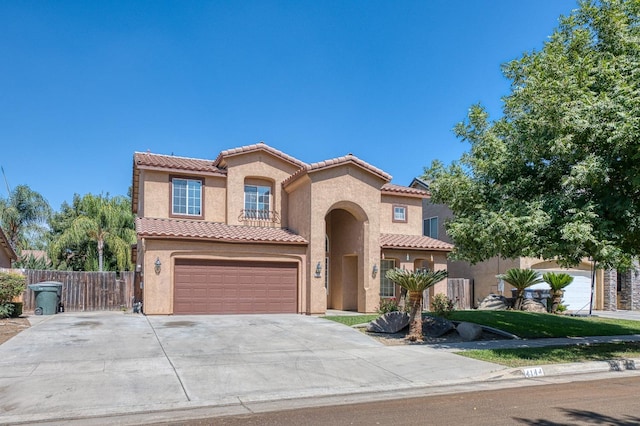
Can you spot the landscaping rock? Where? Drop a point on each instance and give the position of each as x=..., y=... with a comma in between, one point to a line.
x=530, y=305
x=391, y=322
x=469, y=331
x=436, y=326
x=494, y=302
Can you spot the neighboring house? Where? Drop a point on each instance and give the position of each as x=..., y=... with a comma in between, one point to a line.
x=612, y=290
x=258, y=231
x=7, y=254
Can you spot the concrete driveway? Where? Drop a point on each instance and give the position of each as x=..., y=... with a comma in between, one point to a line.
x=82, y=365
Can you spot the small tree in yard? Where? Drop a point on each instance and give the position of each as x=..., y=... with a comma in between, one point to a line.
x=11, y=286
x=557, y=282
x=415, y=282
x=521, y=279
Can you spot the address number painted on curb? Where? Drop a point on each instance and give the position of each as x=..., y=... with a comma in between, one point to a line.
x=533, y=372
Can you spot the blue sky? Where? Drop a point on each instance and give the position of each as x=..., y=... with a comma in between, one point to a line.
x=85, y=84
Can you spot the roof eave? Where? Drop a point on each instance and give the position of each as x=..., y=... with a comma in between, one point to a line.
x=217, y=240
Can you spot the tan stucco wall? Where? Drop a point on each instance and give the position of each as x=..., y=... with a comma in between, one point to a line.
x=259, y=165
x=158, y=288
x=299, y=220
x=356, y=191
x=413, y=226
x=156, y=201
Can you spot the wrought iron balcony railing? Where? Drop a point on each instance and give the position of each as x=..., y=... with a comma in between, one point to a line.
x=259, y=217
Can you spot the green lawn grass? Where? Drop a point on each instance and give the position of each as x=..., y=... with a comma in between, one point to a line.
x=352, y=319
x=522, y=357
x=538, y=325
x=528, y=325
x=535, y=326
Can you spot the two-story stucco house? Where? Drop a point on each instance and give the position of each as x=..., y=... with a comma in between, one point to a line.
x=258, y=231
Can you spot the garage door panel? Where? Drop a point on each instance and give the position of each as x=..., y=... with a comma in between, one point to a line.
x=222, y=287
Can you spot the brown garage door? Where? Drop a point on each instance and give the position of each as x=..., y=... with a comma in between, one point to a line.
x=231, y=287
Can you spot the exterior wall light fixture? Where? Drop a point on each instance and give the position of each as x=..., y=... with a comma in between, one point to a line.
x=318, y=270
x=157, y=266
x=374, y=272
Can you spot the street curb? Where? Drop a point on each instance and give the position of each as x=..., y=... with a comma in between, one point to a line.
x=507, y=378
x=573, y=368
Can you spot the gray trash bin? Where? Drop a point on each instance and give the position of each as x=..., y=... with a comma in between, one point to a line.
x=48, y=295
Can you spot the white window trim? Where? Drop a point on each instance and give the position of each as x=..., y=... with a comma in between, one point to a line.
x=259, y=206
x=186, y=198
x=383, y=277
x=397, y=208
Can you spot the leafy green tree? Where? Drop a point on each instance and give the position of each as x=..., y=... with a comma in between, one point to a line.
x=557, y=175
x=520, y=279
x=23, y=216
x=557, y=282
x=415, y=282
x=94, y=229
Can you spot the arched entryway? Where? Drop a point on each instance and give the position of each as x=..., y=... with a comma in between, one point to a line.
x=344, y=247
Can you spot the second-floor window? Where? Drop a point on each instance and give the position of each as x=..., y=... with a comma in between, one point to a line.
x=257, y=202
x=186, y=197
x=399, y=213
x=430, y=228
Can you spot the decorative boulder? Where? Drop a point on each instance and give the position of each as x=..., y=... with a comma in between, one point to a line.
x=391, y=322
x=469, y=331
x=436, y=326
x=494, y=302
x=530, y=305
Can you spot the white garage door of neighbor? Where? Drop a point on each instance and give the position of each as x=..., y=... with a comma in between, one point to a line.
x=577, y=295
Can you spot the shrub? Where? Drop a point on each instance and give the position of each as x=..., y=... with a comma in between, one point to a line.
x=442, y=306
x=521, y=279
x=12, y=285
x=6, y=310
x=388, y=305
x=557, y=282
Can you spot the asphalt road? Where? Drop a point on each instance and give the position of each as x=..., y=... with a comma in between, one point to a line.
x=603, y=402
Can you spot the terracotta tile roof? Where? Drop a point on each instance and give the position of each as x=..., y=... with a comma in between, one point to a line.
x=416, y=242
x=261, y=146
x=392, y=189
x=4, y=242
x=147, y=160
x=197, y=229
x=335, y=162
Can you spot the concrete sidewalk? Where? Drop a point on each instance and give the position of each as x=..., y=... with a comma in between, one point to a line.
x=84, y=367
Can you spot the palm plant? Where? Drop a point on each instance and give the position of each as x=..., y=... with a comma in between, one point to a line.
x=415, y=282
x=104, y=221
x=557, y=282
x=24, y=210
x=521, y=279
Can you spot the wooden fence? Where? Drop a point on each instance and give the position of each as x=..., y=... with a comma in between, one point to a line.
x=460, y=290
x=84, y=291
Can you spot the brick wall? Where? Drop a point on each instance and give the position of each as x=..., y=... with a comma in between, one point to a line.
x=610, y=300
